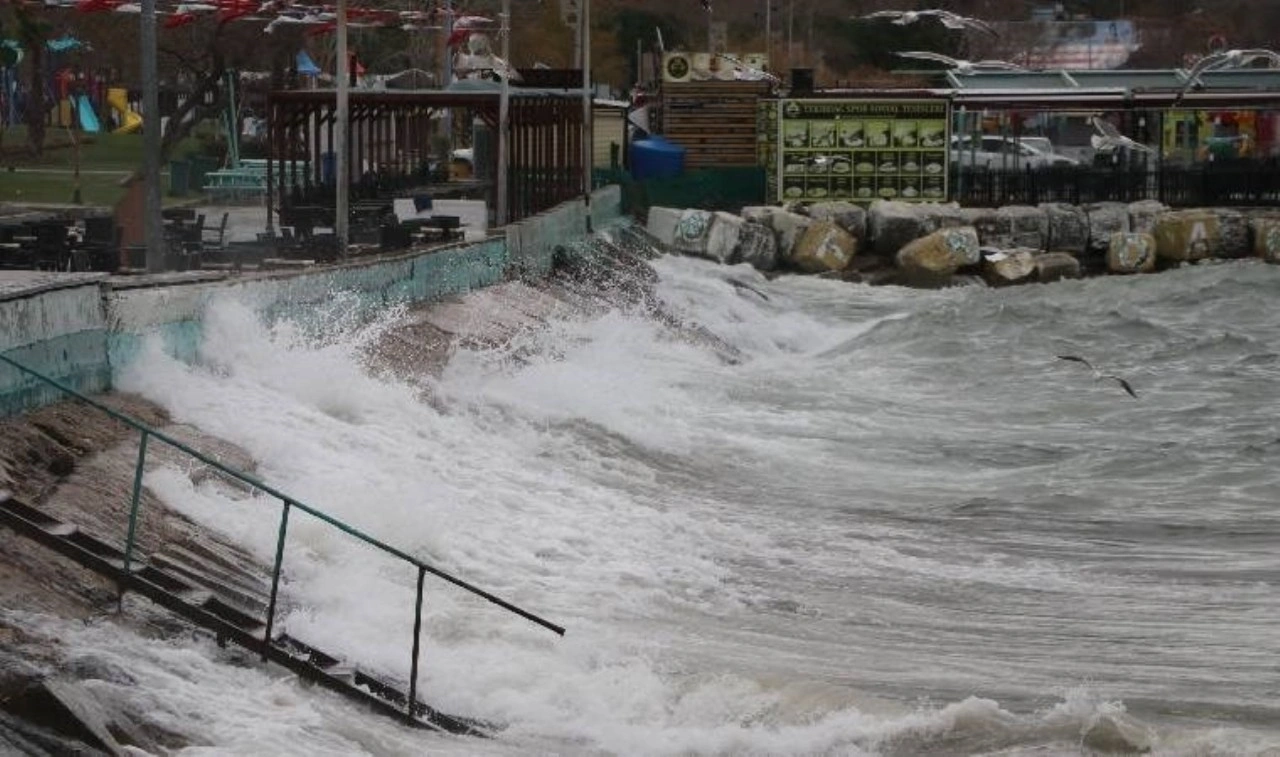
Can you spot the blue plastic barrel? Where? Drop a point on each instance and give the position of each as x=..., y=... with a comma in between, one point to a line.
x=655, y=158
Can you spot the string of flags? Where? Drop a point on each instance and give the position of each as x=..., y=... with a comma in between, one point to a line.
x=319, y=19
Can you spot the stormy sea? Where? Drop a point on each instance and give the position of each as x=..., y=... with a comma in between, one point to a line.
x=778, y=516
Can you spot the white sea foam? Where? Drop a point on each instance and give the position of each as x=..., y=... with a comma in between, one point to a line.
x=757, y=557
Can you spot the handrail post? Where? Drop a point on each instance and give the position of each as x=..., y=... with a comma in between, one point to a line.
x=137, y=499
x=275, y=577
x=417, y=632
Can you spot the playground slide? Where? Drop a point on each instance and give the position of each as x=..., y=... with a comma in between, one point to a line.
x=130, y=121
x=88, y=119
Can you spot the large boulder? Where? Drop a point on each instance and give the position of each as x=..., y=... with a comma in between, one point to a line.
x=1233, y=233
x=893, y=224
x=932, y=259
x=1266, y=238
x=1131, y=253
x=662, y=224
x=723, y=239
x=1068, y=227
x=1010, y=227
x=987, y=223
x=942, y=215
x=852, y=218
x=1004, y=267
x=693, y=231
x=1143, y=215
x=1106, y=219
x=757, y=246
x=1025, y=225
x=787, y=225
x=760, y=214
x=1052, y=266
x=823, y=247
x=1191, y=235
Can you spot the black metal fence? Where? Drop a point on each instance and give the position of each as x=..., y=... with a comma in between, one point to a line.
x=1236, y=184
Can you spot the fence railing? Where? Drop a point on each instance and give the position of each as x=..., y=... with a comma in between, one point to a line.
x=288, y=503
x=1228, y=184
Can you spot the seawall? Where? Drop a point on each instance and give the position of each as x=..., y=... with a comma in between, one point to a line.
x=82, y=328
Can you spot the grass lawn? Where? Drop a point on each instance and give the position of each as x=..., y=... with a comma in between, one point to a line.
x=32, y=187
x=104, y=160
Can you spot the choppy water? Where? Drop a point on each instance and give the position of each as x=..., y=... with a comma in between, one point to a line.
x=896, y=525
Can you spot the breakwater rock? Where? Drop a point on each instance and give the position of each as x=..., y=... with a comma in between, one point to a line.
x=928, y=244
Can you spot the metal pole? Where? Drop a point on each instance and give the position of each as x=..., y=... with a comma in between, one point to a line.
x=791, y=28
x=137, y=498
x=417, y=644
x=275, y=578
x=586, y=111
x=447, y=121
x=504, y=120
x=768, y=34
x=577, y=36
x=153, y=226
x=342, y=138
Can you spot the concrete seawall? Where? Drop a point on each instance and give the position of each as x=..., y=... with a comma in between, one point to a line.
x=82, y=328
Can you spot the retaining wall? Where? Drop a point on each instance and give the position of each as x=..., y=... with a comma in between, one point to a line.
x=80, y=329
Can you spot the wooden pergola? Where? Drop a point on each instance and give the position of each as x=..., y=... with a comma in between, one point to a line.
x=390, y=137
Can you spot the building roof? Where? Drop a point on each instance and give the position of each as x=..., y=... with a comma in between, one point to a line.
x=1162, y=80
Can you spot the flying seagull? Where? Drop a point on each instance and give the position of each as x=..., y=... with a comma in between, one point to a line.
x=1228, y=59
x=1099, y=375
x=947, y=18
x=962, y=66
x=1109, y=138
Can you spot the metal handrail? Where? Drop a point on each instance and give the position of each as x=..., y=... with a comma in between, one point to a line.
x=287, y=502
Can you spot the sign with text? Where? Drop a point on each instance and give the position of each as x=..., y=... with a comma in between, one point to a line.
x=862, y=150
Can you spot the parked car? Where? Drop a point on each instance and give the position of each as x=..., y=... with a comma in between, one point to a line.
x=1000, y=152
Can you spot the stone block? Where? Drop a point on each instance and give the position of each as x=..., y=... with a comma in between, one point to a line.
x=894, y=224
x=1068, y=227
x=1005, y=267
x=662, y=223
x=1131, y=253
x=852, y=218
x=757, y=246
x=693, y=232
x=1106, y=219
x=825, y=246
x=1053, y=266
x=932, y=259
x=1266, y=238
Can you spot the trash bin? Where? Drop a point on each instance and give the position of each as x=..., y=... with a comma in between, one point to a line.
x=201, y=165
x=329, y=169
x=179, y=177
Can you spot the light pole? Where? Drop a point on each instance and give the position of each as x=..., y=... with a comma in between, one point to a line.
x=152, y=225
x=501, y=212
x=586, y=110
x=342, y=169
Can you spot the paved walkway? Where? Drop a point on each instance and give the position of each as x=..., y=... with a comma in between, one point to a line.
x=24, y=283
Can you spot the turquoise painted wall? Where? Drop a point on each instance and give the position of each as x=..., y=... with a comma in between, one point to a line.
x=81, y=334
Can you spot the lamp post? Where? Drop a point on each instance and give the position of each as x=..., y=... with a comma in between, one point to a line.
x=585, y=20
x=340, y=136
x=502, y=212
x=152, y=225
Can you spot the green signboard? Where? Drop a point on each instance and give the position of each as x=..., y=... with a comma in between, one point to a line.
x=861, y=150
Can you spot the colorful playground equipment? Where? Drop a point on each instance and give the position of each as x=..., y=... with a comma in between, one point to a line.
x=130, y=120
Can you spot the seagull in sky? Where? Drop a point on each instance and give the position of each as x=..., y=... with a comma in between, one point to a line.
x=1099, y=375
x=1228, y=59
x=1109, y=138
x=961, y=66
x=947, y=18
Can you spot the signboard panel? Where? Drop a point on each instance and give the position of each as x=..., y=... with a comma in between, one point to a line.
x=862, y=150
x=717, y=66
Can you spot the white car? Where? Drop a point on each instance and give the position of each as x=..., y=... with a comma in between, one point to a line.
x=998, y=152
